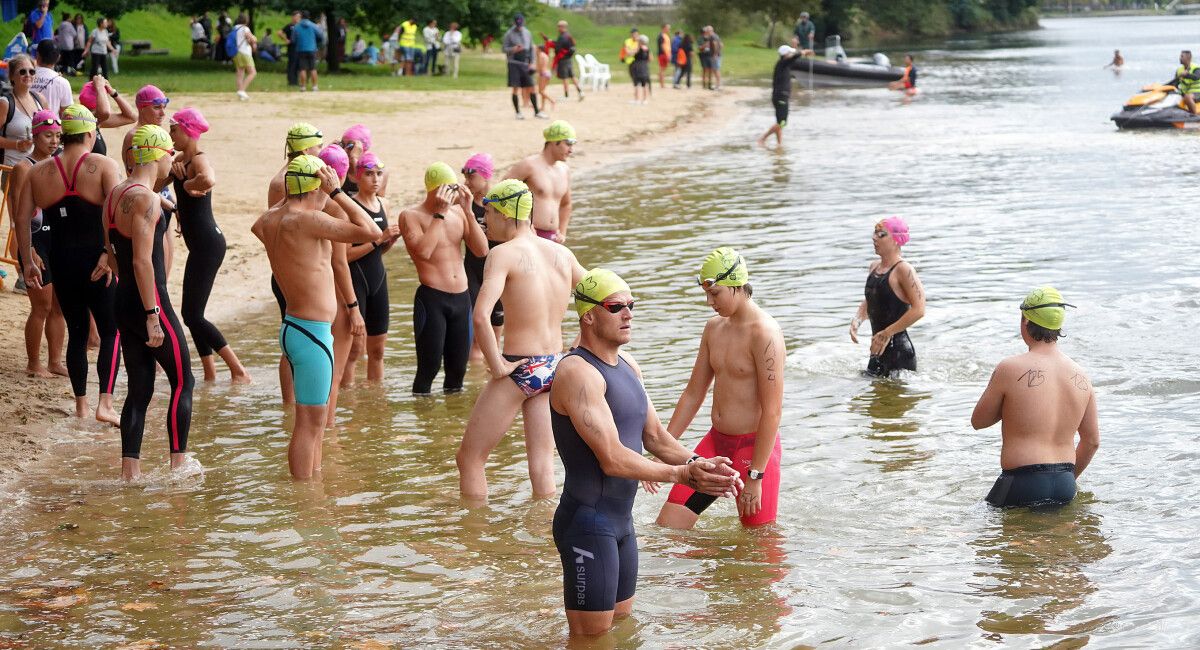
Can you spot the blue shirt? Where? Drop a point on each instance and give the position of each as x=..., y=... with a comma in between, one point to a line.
x=47, y=30
x=372, y=55
x=304, y=36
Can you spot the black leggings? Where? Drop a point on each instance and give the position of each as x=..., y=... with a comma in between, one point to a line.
x=199, y=274
x=80, y=298
x=442, y=324
x=99, y=62
x=140, y=362
x=372, y=296
x=680, y=71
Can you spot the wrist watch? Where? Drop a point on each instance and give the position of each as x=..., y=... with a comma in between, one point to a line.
x=351, y=305
x=755, y=475
x=153, y=312
x=439, y=215
x=694, y=458
x=335, y=192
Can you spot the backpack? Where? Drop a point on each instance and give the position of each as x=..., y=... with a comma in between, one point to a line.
x=231, y=42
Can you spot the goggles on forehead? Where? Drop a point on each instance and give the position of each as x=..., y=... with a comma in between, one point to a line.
x=502, y=199
x=709, y=283
x=1025, y=307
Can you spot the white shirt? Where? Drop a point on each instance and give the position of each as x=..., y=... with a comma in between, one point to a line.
x=453, y=41
x=99, y=41
x=53, y=88
x=431, y=37
x=243, y=43
x=197, y=31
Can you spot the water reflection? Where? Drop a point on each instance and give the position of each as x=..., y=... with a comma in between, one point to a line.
x=886, y=403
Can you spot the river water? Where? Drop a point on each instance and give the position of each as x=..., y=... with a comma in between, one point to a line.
x=1010, y=176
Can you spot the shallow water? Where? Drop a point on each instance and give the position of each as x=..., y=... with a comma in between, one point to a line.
x=1010, y=176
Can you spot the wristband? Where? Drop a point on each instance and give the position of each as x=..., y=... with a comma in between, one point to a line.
x=694, y=458
x=114, y=94
x=153, y=312
x=335, y=192
x=352, y=305
x=374, y=246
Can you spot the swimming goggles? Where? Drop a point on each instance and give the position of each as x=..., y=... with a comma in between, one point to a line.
x=305, y=136
x=170, y=152
x=711, y=282
x=881, y=234
x=502, y=199
x=613, y=306
x=1025, y=307
x=54, y=121
x=157, y=101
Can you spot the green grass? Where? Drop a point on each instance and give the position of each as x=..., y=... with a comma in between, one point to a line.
x=745, y=59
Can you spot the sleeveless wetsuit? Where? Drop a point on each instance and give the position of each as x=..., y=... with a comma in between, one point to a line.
x=1034, y=485
x=78, y=242
x=206, y=252
x=140, y=358
x=884, y=307
x=370, y=280
x=474, y=268
x=593, y=525
x=100, y=147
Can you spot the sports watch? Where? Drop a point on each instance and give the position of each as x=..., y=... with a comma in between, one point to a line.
x=756, y=475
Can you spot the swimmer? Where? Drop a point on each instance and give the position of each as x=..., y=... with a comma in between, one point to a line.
x=96, y=95
x=478, y=172
x=549, y=179
x=895, y=300
x=151, y=333
x=434, y=231
x=602, y=418
x=194, y=178
x=742, y=349
x=781, y=93
x=908, y=82
x=1117, y=62
x=356, y=140
x=534, y=277
x=152, y=109
x=297, y=235
x=1041, y=398
x=84, y=282
x=45, y=316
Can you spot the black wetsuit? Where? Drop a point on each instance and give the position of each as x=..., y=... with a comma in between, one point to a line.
x=442, y=324
x=39, y=240
x=1034, y=485
x=884, y=307
x=100, y=147
x=593, y=525
x=140, y=358
x=370, y=280
x=78, y=227
x=474, y=268
x=781, y=89
x=206, y=252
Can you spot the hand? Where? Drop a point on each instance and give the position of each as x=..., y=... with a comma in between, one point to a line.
x=329, y=179
x=24, y=144
x=37, y=259
x=749, y=502
x=443, y=199
x=102, y=270
x=358, y=326
x=99, y=83
x=390, y=235
x=154, y=333
x=712, y=476
x=505, y=367
x=855, y=323
x=651, y=486
x=178, y=170
x=33, y=275
x=879, y=342
x=465, y=197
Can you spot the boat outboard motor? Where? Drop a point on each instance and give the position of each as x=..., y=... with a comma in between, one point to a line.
x=833, y=48
x=881, y=60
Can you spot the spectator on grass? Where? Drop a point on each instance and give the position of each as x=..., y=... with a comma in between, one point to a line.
x=359, y=51
x=243, y=61
x=268, y=49
x=371, y=55
x=77, y=48
x=42, y=21
x=53, y=88
x=432, y=43
x=65, y=40
x=452, y=43
x=114, y=55
x=98, y=46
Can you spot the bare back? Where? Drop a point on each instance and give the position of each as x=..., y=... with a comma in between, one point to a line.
x=94, y=178
x=537, y=276
x=1047, y=398
x=549, y=184
x=736, y=353
x=300, y=261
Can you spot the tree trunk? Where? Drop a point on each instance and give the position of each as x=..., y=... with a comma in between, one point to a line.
x=333, y=45
x=771, y=34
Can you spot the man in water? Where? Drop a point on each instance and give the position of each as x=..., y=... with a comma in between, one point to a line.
x=518, y=46
x=1117, y=62
x=781, y=93
x=298, y=237
x=534, y=278
x=1041, y=398
x=908, y=82
x=1187, y=80
x=434, y=231
x=894, y=301
x=747, y=399
x=549, y=179
x=601, y=418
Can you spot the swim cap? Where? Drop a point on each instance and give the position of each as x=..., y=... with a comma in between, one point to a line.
x=191, y=121
x=559, y=130
x=78, y=119
x=726, y=267
x=439, y=174
x=369, y=161
x=482, y=164
x=335, y=157
x=301, y=136
x=512, y=198
x=150, y=95
x=150, y=142
x=301, y=175
x=87, y=96
x=597, y=285
x=785, y=50
x=360, y=133
x=1044, y=306
x=46, y=120
x=897, y=228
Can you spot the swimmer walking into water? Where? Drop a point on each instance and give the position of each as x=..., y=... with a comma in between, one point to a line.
x=781, y=93
x=549, y=179
x=894, y=301
x=1042, y=399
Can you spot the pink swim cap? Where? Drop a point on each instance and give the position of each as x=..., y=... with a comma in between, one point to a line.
x=87, y=96
x=336, y=157
x=360, y=133
x=150, y=95
x=897, y=229
x=191, y=121
x=368, y=161
x=480, y=163
x=46, y=120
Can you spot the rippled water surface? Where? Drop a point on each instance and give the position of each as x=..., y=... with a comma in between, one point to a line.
x=1010, y=175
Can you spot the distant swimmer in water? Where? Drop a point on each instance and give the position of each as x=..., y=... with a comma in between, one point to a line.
x=1041, y=398
x=549, y=178
x=894, y=301
x=1117, y=62
x=781, y=93
x=907, y=83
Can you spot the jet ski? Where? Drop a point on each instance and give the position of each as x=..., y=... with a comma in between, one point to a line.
x=1143, y=112
x=837, y=70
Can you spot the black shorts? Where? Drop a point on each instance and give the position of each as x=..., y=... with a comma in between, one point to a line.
x=39, y=240
x=306, y=60
x=1034, y=485
x=598, y=549
x=519, y=76
x=706, y=61
x=898, y=355
x=566, y=68
x=781, y=111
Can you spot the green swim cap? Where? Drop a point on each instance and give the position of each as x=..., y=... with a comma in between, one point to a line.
x=558, y=131
x=301, y=175
x=725, y=267
x=1044, y=306
x=150, y=142
x=594, y=287
x=77, y=119
x=439, y=174
x=512, y=198
x=303, y=135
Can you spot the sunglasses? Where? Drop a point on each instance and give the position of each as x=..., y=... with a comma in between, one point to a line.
x=502, y=199
x=881, y=234
x=26, y=72
x=1025, y=307
x=709, y=283
x=613, y=306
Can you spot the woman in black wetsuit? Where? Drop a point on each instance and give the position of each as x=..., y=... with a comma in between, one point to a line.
x=193, y=178
x=894, y=300
x=478, y=171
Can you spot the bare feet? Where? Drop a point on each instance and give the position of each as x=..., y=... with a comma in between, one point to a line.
x=81, y=407
x=131, y=469
x=59, y=368
x=242, y=377
x=38, y=371
x=105, y=411
x=210, y=368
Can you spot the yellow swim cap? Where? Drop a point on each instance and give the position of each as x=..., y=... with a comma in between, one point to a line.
x=724, y=267
x=439, y=174
x=301, y=136
x=301, y=175
x=1044, y=306
x=512, y=198
x=77, y=119
x=594, y=287
x=559, y=130
x=150, y=142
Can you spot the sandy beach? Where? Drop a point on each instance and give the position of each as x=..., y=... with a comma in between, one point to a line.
x=410, y=130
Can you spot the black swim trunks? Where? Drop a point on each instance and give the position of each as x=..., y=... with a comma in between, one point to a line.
x=566, y=68
x=1034, y=485
x=518, y=75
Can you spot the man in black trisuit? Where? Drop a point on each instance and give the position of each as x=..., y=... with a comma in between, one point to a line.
x=781, y=93
x=894, y=300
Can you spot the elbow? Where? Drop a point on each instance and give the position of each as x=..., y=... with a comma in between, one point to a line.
x=918, y=312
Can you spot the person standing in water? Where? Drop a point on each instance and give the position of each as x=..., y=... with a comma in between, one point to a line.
x=1042, y=399
x=781, y=94
x=1117, y=62
x=549, y=178
x=908, y=82
x=895, y=300
x=478, y=172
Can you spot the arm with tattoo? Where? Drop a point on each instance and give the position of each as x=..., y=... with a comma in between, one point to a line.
x=769, y=359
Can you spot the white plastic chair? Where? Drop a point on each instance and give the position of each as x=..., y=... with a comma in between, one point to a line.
x=601, y=73
x=586, y=72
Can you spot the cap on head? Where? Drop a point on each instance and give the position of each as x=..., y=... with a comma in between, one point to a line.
x=78, y=119
x=897, y=228
x=512, y=199
x=558, y=131
x=335, y=157
x=785, y=50
x=46, y=120
x=359, y=133
x=439, y=174
x=725, y=266
x=191, y=121
x=597, y=284
x=301, y=175
x=804, y=14
x=303, y=135
x=150, y=142
x=482, y=164
x=369, y=161
x=1044, y=306
x=150, y=95
x=87, y=95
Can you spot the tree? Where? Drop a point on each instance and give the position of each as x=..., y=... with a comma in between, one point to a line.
x=776, y=11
